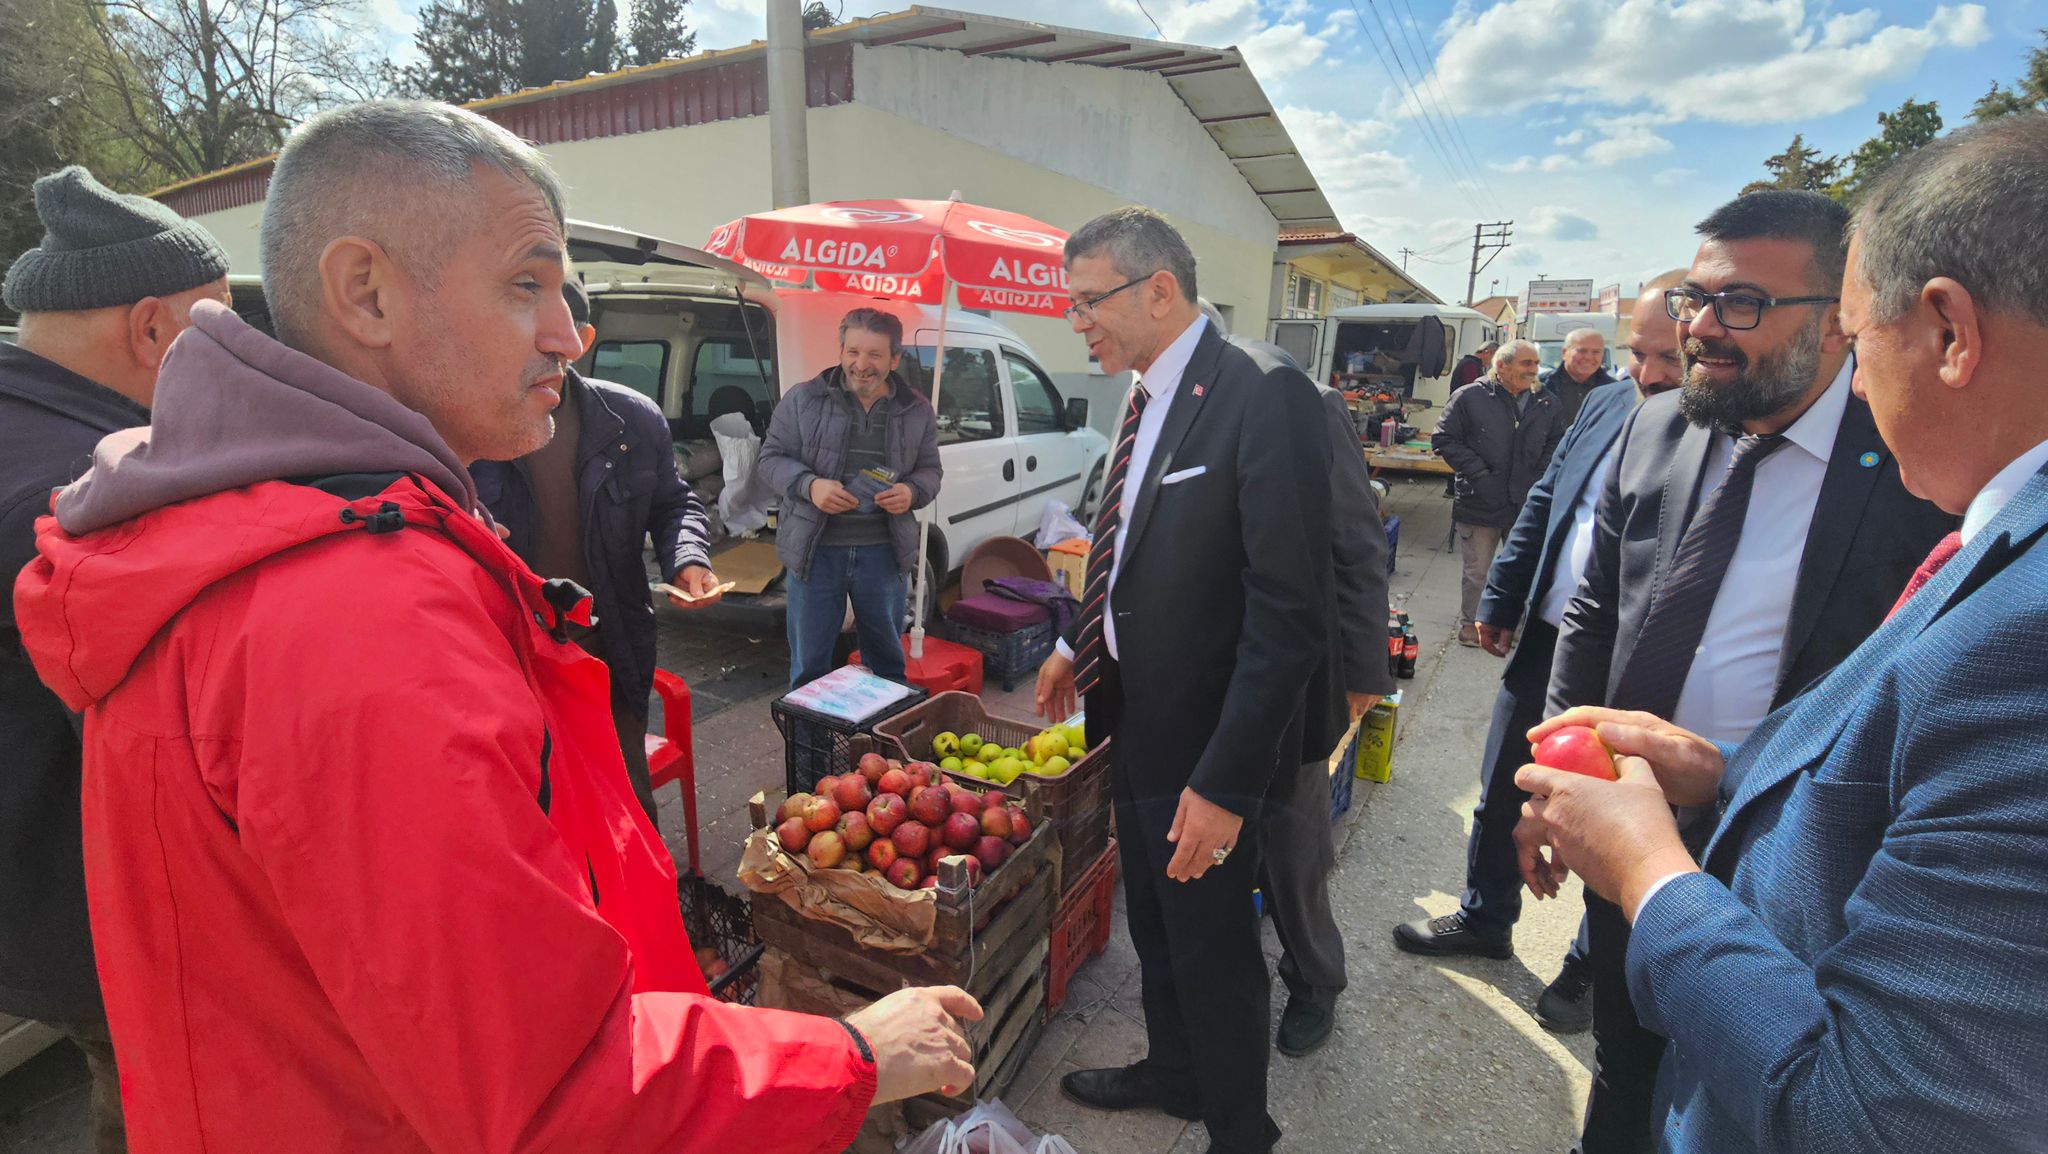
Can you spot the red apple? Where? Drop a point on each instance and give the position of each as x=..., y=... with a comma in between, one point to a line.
x=1577, y=749
x=823, y=814
x=795, y=834
x=973, y=870
x=887, y=812
x=872, y=767
x=930, y=771
x=896, y=782
x=919, y=774
x=992, y=851
x=966, y=801
x=855, y=831
x=931, y=860
x=993, y=798
x=792, y=806
x=852, y=793
x=913, y=839
x=826, y=850
x=960, y=833
x=823, y=786
x=996, y=823
x=930, y=882
x=929, y=805
x=1020, y=827
x=882, y=854
x=895, y=764
x=905, y=874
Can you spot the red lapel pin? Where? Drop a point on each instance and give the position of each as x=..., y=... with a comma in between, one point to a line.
x=1198, y=390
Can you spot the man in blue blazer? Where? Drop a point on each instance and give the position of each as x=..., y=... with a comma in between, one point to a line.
x=1856, y=962
x=1532, y=580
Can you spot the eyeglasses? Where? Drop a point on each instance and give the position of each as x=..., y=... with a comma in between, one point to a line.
x=1083, y=312
x=1735, y=311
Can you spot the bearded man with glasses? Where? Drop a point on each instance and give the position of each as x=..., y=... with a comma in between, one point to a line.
x=1753, y=532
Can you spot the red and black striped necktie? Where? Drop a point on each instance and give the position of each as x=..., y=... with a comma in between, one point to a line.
x=1102, y=554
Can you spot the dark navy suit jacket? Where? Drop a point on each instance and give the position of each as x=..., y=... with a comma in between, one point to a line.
x=1862, y=967
x=1527, y=559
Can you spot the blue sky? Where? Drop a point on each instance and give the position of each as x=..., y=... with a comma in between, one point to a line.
x=1602, y=128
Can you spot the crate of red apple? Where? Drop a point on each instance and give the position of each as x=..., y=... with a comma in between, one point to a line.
x=895, y=858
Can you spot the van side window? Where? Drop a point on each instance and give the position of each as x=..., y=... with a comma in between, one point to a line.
x=638, y=365
x=1038, y=403
x=970, y=404
x=727, y=379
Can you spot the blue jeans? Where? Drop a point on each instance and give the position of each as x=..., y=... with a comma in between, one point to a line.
x=817, y=608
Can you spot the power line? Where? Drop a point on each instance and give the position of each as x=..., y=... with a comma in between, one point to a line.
x=1421, y=98
x=1428, y=128
x=1434, y=80
x=1155, y=23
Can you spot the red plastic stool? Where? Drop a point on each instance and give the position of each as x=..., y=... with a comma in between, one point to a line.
x=947, y=666
x=672, y=757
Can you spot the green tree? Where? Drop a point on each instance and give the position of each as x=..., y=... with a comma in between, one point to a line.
x=476, y=49
x=658, y=31
x=2029, y=92
x=1914, y=124
x=1800, y=168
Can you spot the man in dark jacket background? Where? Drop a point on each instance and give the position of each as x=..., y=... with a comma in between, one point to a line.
x=1499, y=434
x=101, y=300
x=1473, y=365
x=581, y=508
x=854, y=418
x=1579, y=372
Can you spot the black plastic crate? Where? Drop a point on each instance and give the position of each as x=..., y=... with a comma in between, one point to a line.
x=723, y=922
x=1007, y=657
x=816, y=745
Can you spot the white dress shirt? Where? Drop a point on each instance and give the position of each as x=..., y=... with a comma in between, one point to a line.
x=1991, y=499
x=1734, y=672
x=1578, y=545
x=1160, y=381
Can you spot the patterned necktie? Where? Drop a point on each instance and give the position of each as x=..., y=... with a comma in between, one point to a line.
x=1677, y=620
x=1945, y=550
x=1102, y=555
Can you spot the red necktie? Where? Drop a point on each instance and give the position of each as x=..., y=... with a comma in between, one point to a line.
x=1102, y=557
x=1944, y=551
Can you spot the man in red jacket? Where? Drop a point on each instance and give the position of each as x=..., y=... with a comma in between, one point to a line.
x=364, y=869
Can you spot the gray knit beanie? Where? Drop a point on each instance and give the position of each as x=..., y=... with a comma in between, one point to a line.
x=103, y=248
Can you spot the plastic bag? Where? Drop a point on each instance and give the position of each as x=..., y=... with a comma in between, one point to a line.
x=1057, y=523
x=989, y=1128
x=743, y=504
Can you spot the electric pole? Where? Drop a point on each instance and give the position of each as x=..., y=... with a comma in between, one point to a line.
x=1405, y=254
x=1486, y=237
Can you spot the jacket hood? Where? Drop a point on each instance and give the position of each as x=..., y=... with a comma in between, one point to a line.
x=237, y=415
x=234, y=407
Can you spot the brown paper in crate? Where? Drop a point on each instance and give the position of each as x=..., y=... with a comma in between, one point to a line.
x=877, y=914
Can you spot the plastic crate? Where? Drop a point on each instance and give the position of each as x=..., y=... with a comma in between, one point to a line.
x=1077, y=801
x=1080, y=930
x=815, y=745
x=1007, y=657
x=945, y=666
x=725, y=923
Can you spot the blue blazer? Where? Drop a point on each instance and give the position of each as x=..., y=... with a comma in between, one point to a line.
x=1864, y=967
x=1523, y=567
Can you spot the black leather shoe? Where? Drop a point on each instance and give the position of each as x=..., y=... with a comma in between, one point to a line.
x=1304, y=1027
x=1566, y=1005
x=1449, y=935
x=1126, y=1088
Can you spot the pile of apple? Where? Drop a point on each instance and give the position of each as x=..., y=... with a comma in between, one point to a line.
x=1050, y=752
x=899, y=821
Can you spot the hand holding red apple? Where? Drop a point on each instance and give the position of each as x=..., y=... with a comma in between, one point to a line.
x=1687, y=766
x=1619, y=836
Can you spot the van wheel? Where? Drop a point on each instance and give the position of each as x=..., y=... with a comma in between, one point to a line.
x=1091, y=496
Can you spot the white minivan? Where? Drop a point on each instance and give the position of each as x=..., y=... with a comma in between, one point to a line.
x=703, y=337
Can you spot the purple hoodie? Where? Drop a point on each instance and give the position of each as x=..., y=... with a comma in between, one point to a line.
x=234, y=407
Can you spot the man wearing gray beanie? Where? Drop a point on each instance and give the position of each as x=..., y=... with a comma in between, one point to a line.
x=101, y=300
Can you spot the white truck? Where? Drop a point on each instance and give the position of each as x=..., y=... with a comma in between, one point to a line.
x=1548, y=331
x=1412, y=346
x=705, y=337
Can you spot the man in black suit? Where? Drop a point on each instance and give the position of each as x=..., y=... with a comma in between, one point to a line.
x=1204, y=652
x=1532, y=581
x=1752, y=533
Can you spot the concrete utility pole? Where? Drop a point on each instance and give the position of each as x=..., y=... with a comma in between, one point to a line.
x=789, y=148
x=1484, y=237
x=1405, y=254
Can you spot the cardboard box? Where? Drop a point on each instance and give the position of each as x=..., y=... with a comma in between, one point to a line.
x=1069, y=561
x=1376, y=740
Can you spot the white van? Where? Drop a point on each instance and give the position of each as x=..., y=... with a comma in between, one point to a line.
x=1389, y=345
x=704, y=337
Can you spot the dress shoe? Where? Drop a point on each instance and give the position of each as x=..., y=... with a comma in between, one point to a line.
x=1304, y=1027
x=1468, y=636
x=1133, y=1087
x=1450, y=935
x=1565, y=1006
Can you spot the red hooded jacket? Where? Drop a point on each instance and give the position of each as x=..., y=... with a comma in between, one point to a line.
x=364, y=868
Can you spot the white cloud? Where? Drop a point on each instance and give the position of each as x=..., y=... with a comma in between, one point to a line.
x=1279, y=50
x=1340, y=151
x=1631, y=144
x=1673, y=177
x=1550, y=222
x=1575, y=137
x=1736, y=61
